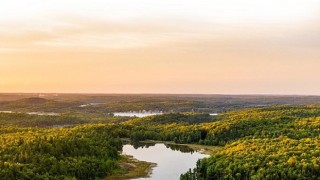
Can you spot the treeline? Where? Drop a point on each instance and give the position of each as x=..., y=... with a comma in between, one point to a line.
x=61, y=120
x=26, y=120
x=181, y=118
x=177, y=127
x=224, y=128
x=268, y=143
x=36, y=104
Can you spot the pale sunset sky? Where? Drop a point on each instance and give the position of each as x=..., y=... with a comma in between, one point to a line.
x=160, y=46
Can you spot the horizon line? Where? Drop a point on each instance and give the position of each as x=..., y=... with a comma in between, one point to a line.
x=212, y=94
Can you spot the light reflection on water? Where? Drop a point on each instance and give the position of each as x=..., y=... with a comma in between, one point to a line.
x=136, y=114
x=171, y=160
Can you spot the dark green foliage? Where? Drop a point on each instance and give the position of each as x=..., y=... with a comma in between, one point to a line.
x=185, y=118
x=22, y=119
x=83, y=152
x=61, y=120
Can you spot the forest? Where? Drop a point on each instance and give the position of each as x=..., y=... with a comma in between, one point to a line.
x=82, y=152
x=278, y=141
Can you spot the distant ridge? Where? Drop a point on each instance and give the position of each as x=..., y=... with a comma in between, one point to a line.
x=34, y=100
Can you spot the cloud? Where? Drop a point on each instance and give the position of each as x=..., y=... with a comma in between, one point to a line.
x=170, y=45
x=74, y=33
x=68, y=34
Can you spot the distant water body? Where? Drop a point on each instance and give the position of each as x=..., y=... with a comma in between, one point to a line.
x=214, y=114
x=90, y=104
x=137, y=114
x=144, y=114
x=34, y=113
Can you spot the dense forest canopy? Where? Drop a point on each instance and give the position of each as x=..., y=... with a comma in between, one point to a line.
x=262, y=142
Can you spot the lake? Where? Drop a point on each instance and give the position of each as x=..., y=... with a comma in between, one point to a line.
x=137, y=114
x=144, y=113
x=213, y=114
x=90, y=104
x=43, y=113
x=171, y=160
x=34, y=113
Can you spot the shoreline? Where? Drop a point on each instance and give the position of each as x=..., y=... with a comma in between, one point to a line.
x=132, y=168
x=203, y=149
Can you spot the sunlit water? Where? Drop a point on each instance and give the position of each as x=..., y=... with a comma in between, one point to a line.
x=43, y=113
x=171, y=160
x=214, y=114
x=7, y=112
x=90, y=104
x=136, y=114
x=34, y=113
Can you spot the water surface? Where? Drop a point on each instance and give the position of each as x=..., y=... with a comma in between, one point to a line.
x=213, y=114
x=171, y=160
x=137, y=114
x=43, y=113
x=90, y=104
x=34, y=113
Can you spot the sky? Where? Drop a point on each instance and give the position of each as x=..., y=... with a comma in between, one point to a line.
x=160, y=46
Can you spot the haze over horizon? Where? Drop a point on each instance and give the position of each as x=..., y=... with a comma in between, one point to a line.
x=167, y=46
